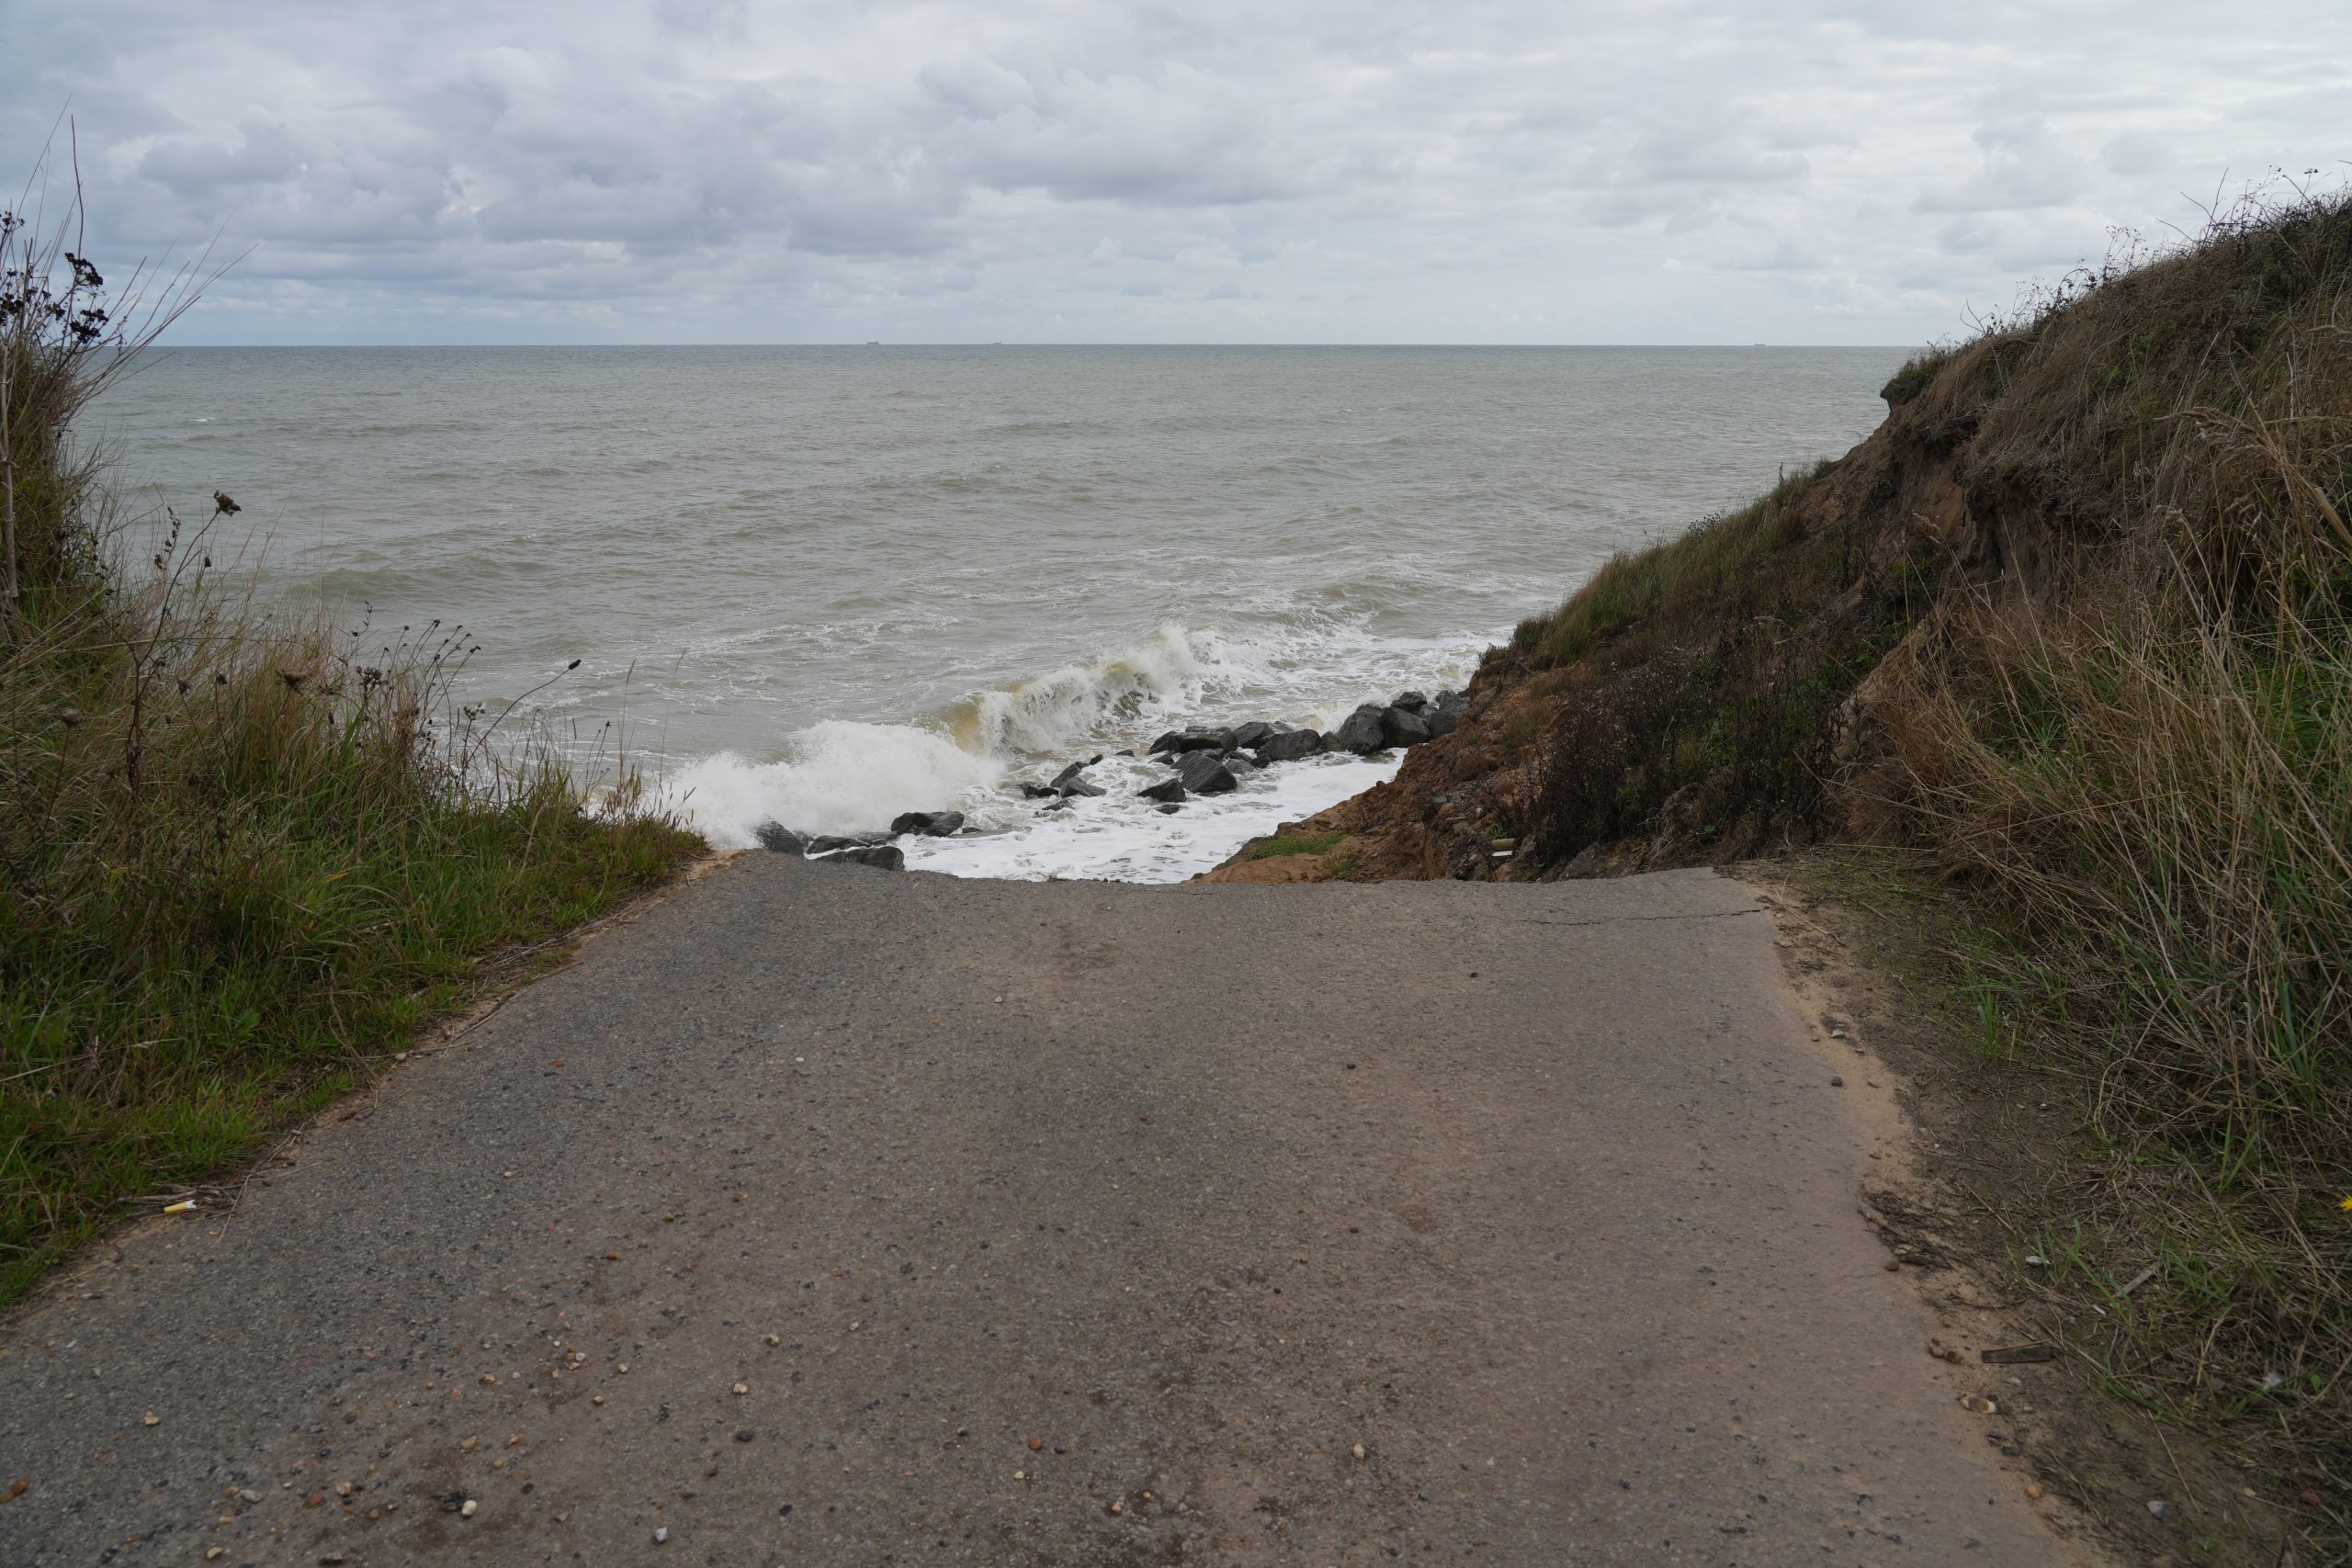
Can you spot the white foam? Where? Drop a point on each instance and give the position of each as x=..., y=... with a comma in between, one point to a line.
x=846, y=777
x=1118, y=837
x=1053, y=712
x=834, y=777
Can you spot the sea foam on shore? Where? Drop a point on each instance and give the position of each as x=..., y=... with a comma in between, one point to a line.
x=840, y=777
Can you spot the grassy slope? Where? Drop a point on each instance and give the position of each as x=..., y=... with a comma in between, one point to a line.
x=237, y=857
x=2076, y=621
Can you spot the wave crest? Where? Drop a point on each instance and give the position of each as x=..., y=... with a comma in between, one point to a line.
x=1046, y=715
x=835, y=777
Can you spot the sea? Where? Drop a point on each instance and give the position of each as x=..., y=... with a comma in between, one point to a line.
x=823, y=586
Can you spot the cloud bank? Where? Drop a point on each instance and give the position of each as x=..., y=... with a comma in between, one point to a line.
x=1818, y=171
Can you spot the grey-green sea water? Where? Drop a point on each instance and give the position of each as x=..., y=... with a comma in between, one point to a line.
x=828, y=584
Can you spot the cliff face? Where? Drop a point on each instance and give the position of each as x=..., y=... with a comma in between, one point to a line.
x=2148, y=465
x=1621, y=733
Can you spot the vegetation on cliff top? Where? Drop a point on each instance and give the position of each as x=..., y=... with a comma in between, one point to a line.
x=2077, y=621
x=239, y=855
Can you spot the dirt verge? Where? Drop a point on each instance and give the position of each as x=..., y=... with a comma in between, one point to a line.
x=1980, y=1159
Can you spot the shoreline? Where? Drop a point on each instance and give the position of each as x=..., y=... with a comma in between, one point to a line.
x=1182, y=803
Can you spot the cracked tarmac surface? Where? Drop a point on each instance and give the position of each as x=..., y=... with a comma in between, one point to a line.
x=827, y=1215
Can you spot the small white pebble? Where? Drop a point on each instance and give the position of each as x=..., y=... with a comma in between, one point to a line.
x=662, y=1535
x=467, y=1511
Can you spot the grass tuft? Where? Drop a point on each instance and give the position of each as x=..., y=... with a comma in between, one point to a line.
x=1292, y=844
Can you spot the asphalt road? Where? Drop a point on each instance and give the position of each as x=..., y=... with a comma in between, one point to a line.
x=829, y=1215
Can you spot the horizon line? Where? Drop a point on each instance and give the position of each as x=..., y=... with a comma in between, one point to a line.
x=973, y=343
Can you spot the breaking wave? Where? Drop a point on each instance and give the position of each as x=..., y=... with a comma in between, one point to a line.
x=846, y=777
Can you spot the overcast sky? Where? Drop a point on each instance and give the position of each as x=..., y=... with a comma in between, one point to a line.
x=1811, y=170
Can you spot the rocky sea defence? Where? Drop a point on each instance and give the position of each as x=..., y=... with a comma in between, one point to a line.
x=1179, y=766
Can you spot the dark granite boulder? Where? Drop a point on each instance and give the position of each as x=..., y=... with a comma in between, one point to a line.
x=888, y=857
x=1169, y=792
x=1411, y=702
x=1251, y=734
x=1403, y=728
x=833, y=843
x=1289, y=746
x=1203, y=773
x=782, y=840
x=1362, y=731
x=930, y=824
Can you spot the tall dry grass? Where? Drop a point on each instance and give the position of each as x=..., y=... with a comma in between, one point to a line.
x=2079, y=622
x=241, y=853
x=2145, y=772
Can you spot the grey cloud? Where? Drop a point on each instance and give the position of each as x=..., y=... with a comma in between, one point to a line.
x=1847, y=169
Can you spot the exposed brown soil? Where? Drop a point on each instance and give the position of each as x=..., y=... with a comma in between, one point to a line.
x=1844, y=565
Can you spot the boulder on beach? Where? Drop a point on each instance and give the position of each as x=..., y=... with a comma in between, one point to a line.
x=1411, y=702
x=833, y=843
x=1251, y=734
x=1362, y=731
x=1080, y=786
x=1289, y=746
x=1203, y=741
x=1037, y=791
x=930, y=824
x=773, y=835
x=1203, y=773
x=888, y=857
x=1445, y=713
x=1402, y=727
x=1169, y=792
x=1068, y=775
x=1240, y=766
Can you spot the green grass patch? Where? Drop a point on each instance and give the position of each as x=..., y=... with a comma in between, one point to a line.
x=1292, y=844
x=240, y=855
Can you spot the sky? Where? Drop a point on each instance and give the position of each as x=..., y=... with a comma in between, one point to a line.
x=1371, y=171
